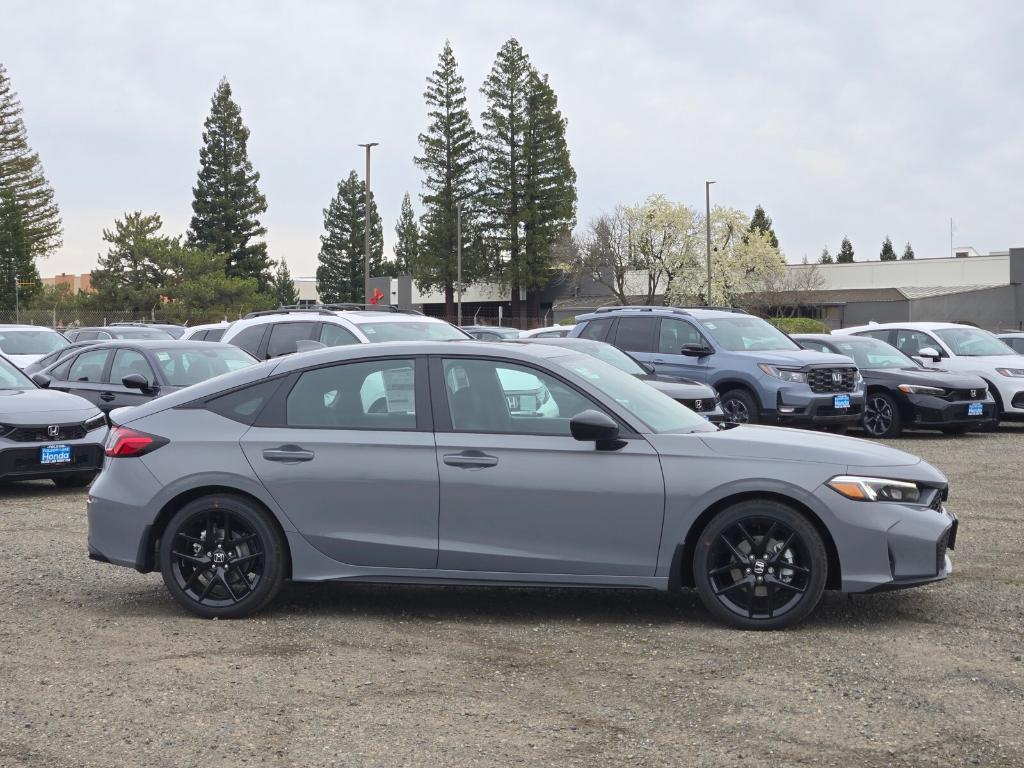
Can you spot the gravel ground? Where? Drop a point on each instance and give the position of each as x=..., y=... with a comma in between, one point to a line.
x=98, y=667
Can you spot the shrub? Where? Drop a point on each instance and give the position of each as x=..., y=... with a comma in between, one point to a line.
x=799, y=325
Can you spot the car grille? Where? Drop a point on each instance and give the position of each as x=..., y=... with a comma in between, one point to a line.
x=832, y=379
x=966, y=394
x=41, y=434
x=702, y=404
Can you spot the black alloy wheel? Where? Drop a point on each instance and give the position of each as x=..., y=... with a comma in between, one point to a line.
x=760, y=565
x=881, y=416
x=221, y=556
x=739, y=407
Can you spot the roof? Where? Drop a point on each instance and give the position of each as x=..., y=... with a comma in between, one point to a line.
x=160, y=344
x=24, y=327
x=926, y=292
x=913, y=326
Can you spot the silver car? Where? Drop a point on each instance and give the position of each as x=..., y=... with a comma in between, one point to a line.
x=285, y=470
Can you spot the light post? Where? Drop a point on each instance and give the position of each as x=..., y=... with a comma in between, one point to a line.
x=366, y=226
x=458, y=250
x=707, y=222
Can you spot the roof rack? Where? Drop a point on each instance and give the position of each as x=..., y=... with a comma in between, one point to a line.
x=641, y=308
x=330, y=309
x=737, y=310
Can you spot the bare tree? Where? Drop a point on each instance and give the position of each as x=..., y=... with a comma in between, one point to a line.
x=605, y=253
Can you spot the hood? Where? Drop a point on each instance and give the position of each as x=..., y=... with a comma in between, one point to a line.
x=925, y=377
x=1009, y=360
x=782, y=444
x=798, y=358
x=679, y=389
x=22, y=360
x=42, y=406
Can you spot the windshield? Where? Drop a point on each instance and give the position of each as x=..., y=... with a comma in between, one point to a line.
x=139, y=333
x=12, y=378
x=184, y=367
x=972, y=342
x=659, y=412
x=612, y=356
x=872, y=353
x=31, y=342
x=738, y=334
x=413, y=330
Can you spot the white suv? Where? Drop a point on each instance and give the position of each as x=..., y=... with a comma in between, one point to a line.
x=960, y=349
x=279, y=332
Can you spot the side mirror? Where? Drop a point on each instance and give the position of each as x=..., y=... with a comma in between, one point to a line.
x=594, y=426
x=135, y=381
x=42, y=380
x=931, y=353
x=697, y=350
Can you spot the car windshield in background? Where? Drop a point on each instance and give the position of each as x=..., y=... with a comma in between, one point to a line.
x=140, y=333
x=658, y=411
x=30, y=342
x=973, y=342
x=612, y=356
x=12, y=378
x=743, y=333
x=872, y=353
x=411, y=331
x=184, y=367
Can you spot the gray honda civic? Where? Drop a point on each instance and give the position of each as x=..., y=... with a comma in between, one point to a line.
x=410, y=462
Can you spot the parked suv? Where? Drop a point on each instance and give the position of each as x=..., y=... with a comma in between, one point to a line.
x=277, y=332
x=760, y=373
x=959, y=349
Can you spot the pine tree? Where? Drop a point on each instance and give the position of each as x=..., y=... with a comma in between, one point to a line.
x=226, y=201
x=826, y=257
x=908, y=253
x=129, y=275
x=450, y=162
x=16, y=262
x=407, y=239
x=845, y=255
x=31, y=220
x=550, y=189
x=340, y=274
x=762, y=222
x=504, y=124
x=282, y=287
x=887, y=253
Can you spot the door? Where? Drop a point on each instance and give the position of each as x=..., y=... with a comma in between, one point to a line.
x=673, y=335
x=347, y=451
x=520, y=495
x=84, y=376
x=125, y=363
x=636, y=335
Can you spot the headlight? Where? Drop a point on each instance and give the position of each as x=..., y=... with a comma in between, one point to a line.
x=875, y=489
x=1017, y=373
x=857, y=378
x=915, y=389
x=95, y=422
x=786, y=374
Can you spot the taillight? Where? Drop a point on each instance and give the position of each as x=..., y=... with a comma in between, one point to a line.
x=123, y=442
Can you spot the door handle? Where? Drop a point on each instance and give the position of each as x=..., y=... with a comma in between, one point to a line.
x=287, y=453
x=470, y=460
x=107, y=396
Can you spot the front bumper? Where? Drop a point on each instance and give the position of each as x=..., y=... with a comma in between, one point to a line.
x=795, y=407
x=21, y=461
x=934, y=412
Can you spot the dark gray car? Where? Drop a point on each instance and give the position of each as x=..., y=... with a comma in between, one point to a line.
x=294, y=469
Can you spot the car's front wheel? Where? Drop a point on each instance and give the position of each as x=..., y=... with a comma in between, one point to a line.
x=760, y=565
x=222, y=556
x=882, y=416
x=739, y=407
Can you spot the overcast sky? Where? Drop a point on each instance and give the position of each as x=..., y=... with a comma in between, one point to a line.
x=863, y=119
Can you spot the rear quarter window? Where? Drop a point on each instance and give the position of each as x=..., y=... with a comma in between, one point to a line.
x=244, y=405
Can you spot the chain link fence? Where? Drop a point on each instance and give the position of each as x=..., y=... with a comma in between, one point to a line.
x=61, y=318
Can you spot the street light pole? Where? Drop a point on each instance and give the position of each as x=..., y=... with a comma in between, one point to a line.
x=707, y=222
x=458, y=249
x=366, y=227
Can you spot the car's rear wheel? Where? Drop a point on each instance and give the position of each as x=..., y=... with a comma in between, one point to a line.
x=882, y=416
x=221, y=556
x=760, y=565
x=739, y=406
x=73, y=481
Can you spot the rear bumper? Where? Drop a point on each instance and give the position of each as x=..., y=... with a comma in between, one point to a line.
x=22, y=462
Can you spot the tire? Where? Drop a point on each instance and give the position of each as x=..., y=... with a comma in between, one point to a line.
x=236, y=577
x=882, y=416
x=786, y=548
x=73, y=481
x=739, y=406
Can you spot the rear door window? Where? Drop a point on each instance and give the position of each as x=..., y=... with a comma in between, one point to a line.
x=332, y=335
x=284, y=336
x=596, y=329
x=250, y=339
x=636, y=334
x=88, y=366
x=379, y=394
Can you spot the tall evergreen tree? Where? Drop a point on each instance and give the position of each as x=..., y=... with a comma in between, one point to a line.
x=887, y=253
x=826, y=257
x=407, y=239
x=450, y=163
x=227, y=203
x=550, y=189
x=30, y=215
x=129, y=276
x=16, y=261
x=340, y=274
x=762, y=222
x=845, y=255
x=908, y=253
x=282, y=287
x=504, y=124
